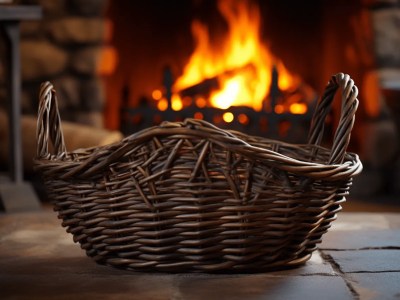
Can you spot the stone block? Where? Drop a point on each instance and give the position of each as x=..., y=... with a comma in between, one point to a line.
x=389, y=78
x=367, y=260
x=361, y=239
x=41, y=59
x=53, y=8
x=86, y=60
x=88, y=7
x=386, y=27
x=92, y=95
x=68, y=95
x=77, y=30
x=376, y=286
x=30, y=29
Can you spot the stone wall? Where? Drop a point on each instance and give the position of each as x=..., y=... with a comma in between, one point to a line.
x=65, y=47
x=381, y=89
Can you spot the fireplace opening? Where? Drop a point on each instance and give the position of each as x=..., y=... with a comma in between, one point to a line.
x=255, y=66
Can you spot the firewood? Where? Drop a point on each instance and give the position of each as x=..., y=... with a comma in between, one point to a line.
x=205, y=87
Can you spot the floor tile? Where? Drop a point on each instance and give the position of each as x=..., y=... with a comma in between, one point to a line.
x=360, y=239
x=264, y=287
x=367, y=260
x=379, y=286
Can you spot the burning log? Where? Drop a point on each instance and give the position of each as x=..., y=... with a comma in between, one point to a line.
x=205, y=87
x=296, y=100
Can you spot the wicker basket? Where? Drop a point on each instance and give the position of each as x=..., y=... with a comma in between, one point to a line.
x=192, y=197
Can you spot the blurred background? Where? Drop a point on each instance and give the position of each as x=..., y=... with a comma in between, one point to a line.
x=254, y=66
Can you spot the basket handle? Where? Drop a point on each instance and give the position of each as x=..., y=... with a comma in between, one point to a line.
x=48, y=123
x=348, y=109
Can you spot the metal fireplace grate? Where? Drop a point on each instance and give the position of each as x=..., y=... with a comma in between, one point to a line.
x=269, y=122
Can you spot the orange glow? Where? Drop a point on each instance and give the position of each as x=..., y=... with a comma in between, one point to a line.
x=108, y=30
x=162, y=104
x=198, y=115
x=372, y=94
x=176, y=103
x=228, y=117
x=108, y=60
x=156, y=94
x=279, y=109
x=241, y=64
x=298, y=108
x=187, y=101
x=201, y=102
x=243, y=119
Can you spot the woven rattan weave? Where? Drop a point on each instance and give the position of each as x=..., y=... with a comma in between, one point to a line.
x=192, y=197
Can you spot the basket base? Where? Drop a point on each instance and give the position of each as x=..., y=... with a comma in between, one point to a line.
x=223, y=268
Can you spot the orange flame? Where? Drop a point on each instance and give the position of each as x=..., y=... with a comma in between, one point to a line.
x=242, y=65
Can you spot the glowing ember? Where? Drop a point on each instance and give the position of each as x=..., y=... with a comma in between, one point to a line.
x=201, y=102
x=228, y=117
x=198, y=115
x=242, y=65
x=243, y=119
x=162, y=105
x=298, y=108
x=157, y=94
x=176, y=103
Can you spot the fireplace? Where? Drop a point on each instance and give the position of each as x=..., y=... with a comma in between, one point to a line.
x=185, y=62
x=303, y=45
x=231, y=78
x=122, y=55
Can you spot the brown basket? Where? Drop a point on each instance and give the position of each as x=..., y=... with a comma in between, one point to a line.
x=192, y=197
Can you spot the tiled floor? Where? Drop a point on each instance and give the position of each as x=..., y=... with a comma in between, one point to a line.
x=358, y=259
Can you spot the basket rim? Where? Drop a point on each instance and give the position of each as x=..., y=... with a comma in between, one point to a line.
x=227, y=139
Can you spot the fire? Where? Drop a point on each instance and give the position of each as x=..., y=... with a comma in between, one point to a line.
x=241, y=66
